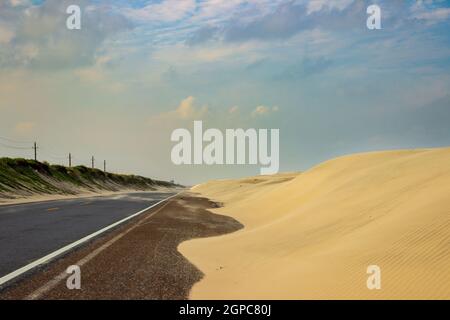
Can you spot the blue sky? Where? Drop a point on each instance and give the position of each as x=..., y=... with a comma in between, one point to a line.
x=139, y=69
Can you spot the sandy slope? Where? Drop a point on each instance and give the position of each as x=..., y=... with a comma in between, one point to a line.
x=314, y=236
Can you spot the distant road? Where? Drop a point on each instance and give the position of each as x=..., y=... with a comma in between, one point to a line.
x=32, y=230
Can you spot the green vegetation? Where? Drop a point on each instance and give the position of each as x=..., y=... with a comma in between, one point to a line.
x=27, y=177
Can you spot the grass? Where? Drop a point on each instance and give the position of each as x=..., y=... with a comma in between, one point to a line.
x=29, y=177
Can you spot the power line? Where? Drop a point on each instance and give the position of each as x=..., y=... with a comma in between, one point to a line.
x=15, y=147
x=53, y=156
x=15, y=141
x=50, y=152
x=46, y=151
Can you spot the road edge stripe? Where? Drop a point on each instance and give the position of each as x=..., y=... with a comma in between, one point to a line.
x=72, y=245
x=50, y=285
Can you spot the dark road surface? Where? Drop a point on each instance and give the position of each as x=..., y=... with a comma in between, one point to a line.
x=33, y=230
x=138, y=260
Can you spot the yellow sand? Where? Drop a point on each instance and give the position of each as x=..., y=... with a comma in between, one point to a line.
x=313, y=237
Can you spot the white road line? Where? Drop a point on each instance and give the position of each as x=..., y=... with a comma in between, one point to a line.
x=56, y=253
x=60, y=277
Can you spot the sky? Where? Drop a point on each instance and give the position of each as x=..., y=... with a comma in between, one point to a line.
x=137, y=70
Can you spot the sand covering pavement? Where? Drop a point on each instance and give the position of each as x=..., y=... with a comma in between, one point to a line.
x=314, y=234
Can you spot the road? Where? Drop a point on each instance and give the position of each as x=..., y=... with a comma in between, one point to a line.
x=32, y=230
x=137, y=260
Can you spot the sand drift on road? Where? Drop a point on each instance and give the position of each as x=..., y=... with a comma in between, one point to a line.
x=313, y=235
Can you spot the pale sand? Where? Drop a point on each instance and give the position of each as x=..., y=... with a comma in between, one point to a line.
x=313, y=237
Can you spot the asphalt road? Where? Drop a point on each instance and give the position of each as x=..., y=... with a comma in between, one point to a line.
x=33, y=230
x=138, y=260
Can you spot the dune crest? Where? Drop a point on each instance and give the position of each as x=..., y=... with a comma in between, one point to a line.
x=313, y=235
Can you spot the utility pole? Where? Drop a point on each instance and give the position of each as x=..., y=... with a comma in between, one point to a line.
x=70, y=160
x=92, y=162
x=104, y=166
x=35, y=151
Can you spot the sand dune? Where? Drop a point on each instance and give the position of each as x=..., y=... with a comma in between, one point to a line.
x=313, y=235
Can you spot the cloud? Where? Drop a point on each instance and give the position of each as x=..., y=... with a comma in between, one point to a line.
x=24, y=128
x=213, y=8
x=264, y=111
x=434, y=16
x=318, y=5
x=182, y=54
x=165, y=11
x=289, y=18
x=99, y=75
x=186, y=110
x=42, y=41
x=284, y=22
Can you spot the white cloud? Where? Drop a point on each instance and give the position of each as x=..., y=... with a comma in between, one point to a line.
x=424, y=10
x=318, y=5
x=182, y=54
x=41, y=39
x=165, y=11
x=264, y=111
x=186, y=110
x=434, y=16
x=213, y=8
